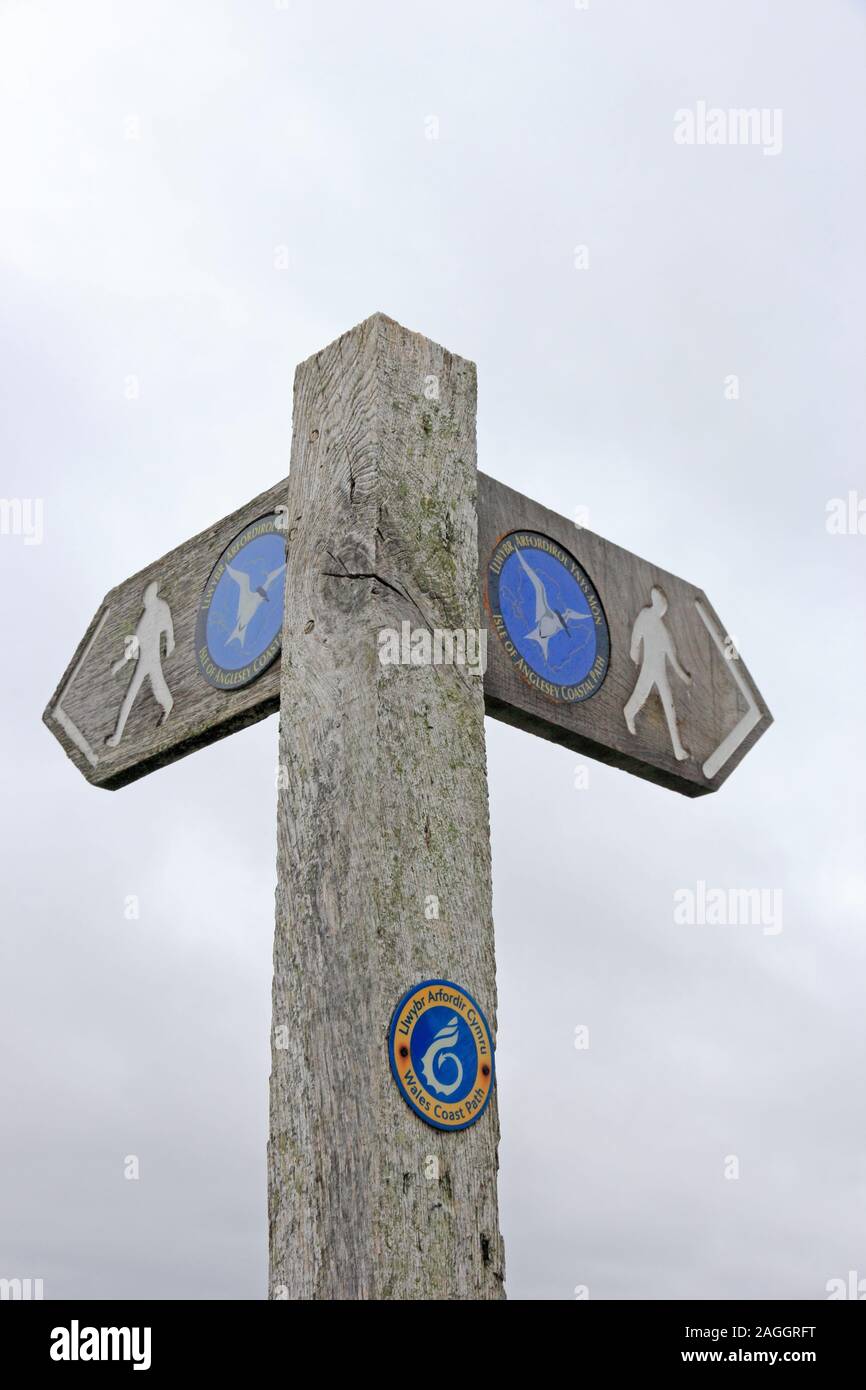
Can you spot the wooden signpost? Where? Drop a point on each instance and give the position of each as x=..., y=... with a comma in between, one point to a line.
x=389, y=571
x=717, y=709
x=84, y=709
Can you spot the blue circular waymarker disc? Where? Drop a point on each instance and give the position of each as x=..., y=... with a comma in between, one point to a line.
x=441, y=1054
x=548, y=615
x=240, y=619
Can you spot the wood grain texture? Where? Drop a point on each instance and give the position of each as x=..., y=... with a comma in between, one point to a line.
x=707, y=710
x=384, y=804
x=83, y=710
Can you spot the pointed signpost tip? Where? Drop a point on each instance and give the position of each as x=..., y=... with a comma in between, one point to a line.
x=380, y=323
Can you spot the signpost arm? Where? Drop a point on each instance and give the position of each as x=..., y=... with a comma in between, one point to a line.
x=383, y=850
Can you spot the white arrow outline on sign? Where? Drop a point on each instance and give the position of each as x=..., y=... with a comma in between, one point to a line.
x=62, y=717
x=732, y=741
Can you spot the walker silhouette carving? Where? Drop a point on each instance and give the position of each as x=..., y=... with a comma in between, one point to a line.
x=145, y=650
x=652, y=646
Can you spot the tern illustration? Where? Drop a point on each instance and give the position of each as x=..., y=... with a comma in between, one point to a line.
x=548, y=622
x=249, y=599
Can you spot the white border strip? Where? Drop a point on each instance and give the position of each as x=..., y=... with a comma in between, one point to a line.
x=72, y=731
x=740, y=731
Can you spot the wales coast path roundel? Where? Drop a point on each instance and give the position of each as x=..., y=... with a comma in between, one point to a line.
x=441, y=1054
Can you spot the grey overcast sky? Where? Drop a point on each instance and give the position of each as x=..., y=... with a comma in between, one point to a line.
x=156, y=159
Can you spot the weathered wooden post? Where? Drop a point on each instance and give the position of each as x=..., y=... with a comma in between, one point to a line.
x=383, y=924
x=383, y=835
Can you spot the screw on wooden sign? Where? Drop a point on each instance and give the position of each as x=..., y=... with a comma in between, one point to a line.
x=386, y=526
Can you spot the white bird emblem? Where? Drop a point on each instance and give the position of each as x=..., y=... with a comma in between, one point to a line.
x=547, y=621
x=249, y=599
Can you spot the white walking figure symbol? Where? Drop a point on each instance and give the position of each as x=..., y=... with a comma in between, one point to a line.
x=249, y=599
x=649, y=632
x=548, y=622
x=145, y=650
